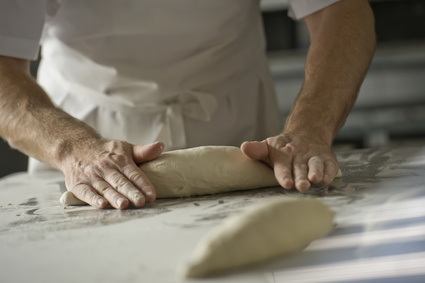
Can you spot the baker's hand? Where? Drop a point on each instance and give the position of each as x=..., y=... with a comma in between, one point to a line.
x=106, y=172
x=297, y=160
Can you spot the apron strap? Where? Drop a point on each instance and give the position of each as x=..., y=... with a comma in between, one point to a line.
x=191, y=104
x=195, y=105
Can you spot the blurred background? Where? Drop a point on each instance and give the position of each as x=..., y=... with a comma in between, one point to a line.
x=391, y=104
x=390, y=108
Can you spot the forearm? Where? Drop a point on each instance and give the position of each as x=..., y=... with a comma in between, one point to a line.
x=29, y=120
x=97, y=171
x=342, y=45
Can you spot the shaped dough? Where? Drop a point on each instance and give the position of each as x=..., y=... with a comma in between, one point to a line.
x=264, y=231
x=201, y=171
x=206, y=170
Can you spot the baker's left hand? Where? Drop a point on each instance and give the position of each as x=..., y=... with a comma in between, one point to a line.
x=297, y=159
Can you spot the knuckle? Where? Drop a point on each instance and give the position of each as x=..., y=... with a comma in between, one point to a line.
x=315, y=159
x=103, y=189
x=331, y=165
x=134, y=176
x=90, y=171
x=112, y=159
x=113, y=145
x=287, y=150
x=109, y=193
x=103, y=164
x=92, y=198
x=279, y=140
x=301, y=166
x=84, y=192
x=120, y=181
x=119, y=158
x=78, y=188
x=301, y=178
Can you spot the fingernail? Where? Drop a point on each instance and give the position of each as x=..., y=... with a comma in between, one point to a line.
x=148, y=192
x=101, y=202
x=325, y=179
x=120, y=201
x=136, y=197
x=303, y=185
x=288, y=182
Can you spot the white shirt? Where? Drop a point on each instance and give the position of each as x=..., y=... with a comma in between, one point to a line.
x=188, y=73
x=22, y=22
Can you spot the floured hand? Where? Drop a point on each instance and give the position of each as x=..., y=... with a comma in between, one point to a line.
x=297, y=160
x=107, y=172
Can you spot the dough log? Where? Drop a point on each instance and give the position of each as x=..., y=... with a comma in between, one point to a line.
x=266, y=230
x=201, y=171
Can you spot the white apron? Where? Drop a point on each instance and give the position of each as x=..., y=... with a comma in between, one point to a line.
x=188, y=72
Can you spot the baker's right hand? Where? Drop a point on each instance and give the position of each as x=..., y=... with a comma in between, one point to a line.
x=107, y=172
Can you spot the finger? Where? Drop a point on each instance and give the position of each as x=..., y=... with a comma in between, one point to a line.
x=119, y=199
x=147, y=152
x=116, y=199
x=257, y=150
x=315, y=169
x=283, y=173
x=126, y=188
x=300, y=175
x=282, y=168
x=140, y=181
x=88, y=195
x=330, y=171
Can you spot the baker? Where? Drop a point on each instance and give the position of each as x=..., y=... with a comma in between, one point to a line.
x=117, y=76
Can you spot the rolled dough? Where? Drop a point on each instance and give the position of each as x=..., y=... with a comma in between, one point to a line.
x=201, y=171
x=266, y=230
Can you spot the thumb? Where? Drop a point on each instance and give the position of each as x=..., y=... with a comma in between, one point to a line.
x=147, y=152
x=257, y=150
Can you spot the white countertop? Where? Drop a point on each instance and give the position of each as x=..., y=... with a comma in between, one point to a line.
x=379, y=237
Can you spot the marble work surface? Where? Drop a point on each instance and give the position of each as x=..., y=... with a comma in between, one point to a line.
x=379, y=235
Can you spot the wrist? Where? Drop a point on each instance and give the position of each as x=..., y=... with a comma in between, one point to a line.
x=71, y=150
x=317, y=117
x=310, y=132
